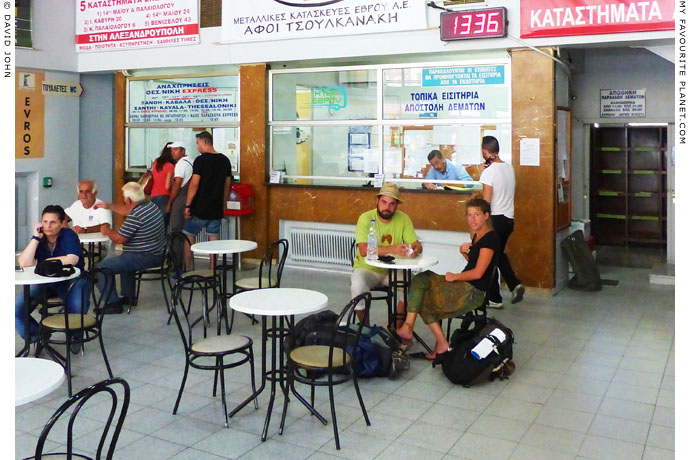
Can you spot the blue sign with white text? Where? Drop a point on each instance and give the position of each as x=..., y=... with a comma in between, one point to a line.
x=464, y=76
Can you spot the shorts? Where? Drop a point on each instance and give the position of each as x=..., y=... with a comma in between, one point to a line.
x=194, y=226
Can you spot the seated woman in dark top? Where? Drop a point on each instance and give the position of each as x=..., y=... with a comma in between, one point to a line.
x=435, y=297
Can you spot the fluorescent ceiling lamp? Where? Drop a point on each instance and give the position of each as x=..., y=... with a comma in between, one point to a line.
x=647, y=124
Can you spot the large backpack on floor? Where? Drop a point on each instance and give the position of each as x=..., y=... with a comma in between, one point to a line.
x=378, y=354
x=463, y=368
x=587, y=276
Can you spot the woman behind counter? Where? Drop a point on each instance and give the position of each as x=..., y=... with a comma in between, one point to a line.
x=435, y=297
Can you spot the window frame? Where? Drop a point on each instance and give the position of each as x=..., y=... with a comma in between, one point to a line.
x=186, y=124
x=380, y=122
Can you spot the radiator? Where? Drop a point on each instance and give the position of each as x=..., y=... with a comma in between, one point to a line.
x=320, y=246
x=313, y=243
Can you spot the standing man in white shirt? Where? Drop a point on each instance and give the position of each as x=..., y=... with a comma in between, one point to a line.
x=84, y=216
x=178, y=194
x=498, y=181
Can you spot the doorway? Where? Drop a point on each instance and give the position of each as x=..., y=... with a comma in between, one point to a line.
x=628, y=206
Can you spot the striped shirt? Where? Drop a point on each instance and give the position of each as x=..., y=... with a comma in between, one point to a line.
x=144, y=229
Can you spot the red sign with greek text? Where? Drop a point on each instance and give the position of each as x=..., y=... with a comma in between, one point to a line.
x=559, y=18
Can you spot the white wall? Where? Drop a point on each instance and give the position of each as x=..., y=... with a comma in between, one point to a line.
x=61, y=150
x=614, y=68
x=53, y=32
x=96, y=132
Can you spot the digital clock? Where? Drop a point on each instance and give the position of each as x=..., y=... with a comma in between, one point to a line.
x=461, y=25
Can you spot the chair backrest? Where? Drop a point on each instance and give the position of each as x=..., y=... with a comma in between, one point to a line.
x=72, y=408
x=175, y=251
x=346, y=320
x=269, y=270
x=191, y=284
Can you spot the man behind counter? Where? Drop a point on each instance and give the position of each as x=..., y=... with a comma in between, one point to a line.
x=443, y=170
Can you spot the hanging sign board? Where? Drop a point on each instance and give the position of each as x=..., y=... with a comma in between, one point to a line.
x=623, y=103
x=560, y=18
x=178, y=100
x=62, y=89
x=261, y=20
x=29, y=115
x=106, y=25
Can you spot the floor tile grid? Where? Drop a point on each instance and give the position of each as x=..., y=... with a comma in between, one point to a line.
x=401, y=439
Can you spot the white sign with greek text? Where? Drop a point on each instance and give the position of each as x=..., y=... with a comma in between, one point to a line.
x=623, y=103
x=106, y=25
x=261, y=20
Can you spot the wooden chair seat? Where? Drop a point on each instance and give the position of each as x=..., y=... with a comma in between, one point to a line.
x=206, y=273
x=317, y=356
x=253, y=283
x=221, y=344
x=73, y=321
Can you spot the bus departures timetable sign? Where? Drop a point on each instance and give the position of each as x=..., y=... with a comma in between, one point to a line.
x=463, y=25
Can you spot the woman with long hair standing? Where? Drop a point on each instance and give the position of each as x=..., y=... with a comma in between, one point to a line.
x=162, y=171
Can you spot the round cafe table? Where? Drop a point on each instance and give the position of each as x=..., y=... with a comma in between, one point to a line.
x=405, y=266
x=35, y=378
x=278, y=304
x=26, y=277
x=91, y=239
x=224, y=247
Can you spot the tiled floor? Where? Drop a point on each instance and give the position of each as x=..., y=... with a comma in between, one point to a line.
x=594, y=380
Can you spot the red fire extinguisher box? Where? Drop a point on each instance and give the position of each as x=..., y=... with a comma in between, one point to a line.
x=240, y=200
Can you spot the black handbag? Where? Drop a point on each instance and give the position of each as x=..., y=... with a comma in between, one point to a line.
x=53, y=269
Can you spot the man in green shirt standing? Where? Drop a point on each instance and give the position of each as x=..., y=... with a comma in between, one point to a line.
x=396, y=236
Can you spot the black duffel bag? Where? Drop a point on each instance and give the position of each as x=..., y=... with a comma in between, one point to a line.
x=53, y=268
x=463, y=368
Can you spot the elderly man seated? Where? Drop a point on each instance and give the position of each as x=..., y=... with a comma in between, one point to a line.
x=142, y=236
x=50, y=241
x=83, y=214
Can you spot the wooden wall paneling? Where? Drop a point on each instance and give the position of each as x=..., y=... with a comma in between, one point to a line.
x=119, y=143
x=532, y=246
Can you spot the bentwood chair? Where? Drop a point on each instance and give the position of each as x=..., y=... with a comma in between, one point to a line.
x=159, y=273
x=215, y=352
x=384, y=292
x=71, y=409
x=478, y=315
x=79, y=328
x=307, y=363
x=176, y=245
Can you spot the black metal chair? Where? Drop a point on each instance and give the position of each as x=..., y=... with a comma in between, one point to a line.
x=176, y=244
x=82, y=327
x=383, y=290
x=270, y=272
x=333, y=360
x=216, y=348
x=73, y=406
x=478, y=315
x=158, y=273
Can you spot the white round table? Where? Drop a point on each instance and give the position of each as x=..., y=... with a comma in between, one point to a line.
x=406, y=265
x=225, y=247
x=276, y=303
x=26, y=278
x=90, y=239
x=35, y=378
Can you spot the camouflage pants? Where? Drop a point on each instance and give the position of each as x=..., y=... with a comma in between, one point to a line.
x=435, y=299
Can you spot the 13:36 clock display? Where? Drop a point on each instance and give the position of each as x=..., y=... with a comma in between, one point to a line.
x=461, y=25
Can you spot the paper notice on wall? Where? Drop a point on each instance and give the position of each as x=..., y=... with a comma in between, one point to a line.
x=469, y=145
x=392, y=161
x=371, y=161
x=529, y=152
x=378, y=180
x=444, y=135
